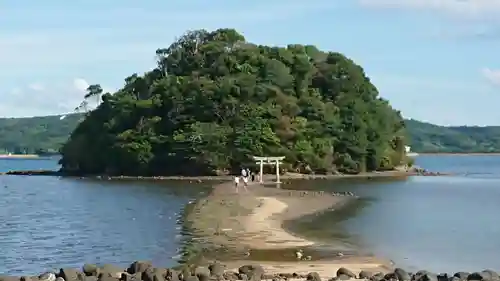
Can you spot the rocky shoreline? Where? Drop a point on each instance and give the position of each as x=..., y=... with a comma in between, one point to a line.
x=288, y=176
x=145, y=271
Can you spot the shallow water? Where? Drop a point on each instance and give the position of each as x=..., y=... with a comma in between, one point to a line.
x=442, y=224
x=437, y=223
x=48, y=222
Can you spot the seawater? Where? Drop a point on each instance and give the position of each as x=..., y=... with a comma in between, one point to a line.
x=49, y=222
x=442, y=224
x=448, y=223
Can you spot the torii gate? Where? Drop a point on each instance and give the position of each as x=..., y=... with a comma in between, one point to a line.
x=269, y=161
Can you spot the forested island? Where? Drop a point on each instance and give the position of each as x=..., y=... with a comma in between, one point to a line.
x=214, y=99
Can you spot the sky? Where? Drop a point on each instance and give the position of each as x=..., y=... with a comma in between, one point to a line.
x=434, y=60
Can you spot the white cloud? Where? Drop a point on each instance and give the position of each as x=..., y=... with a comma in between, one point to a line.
x=49, y=99
x=472, y=9
x=36, y=87
x=492, y=75
x=80, y=84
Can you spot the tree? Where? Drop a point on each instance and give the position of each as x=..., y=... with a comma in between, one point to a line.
x=214, y=100
x=94, y=91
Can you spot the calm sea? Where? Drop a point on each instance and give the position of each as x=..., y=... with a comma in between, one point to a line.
x=438, y=223
x=443, y=224
x=48, y=222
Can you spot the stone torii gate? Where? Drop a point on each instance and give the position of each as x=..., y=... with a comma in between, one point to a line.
x=269, y=161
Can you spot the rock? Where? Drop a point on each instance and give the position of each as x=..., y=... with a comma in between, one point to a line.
x=61, y=279
x=131, y=277
x=461, y=275
x=191, y=278
x=70, y=274
x=345, y=271
x=424, y=275
x=476, y=276
x=313, y=276
x=139, y=266
x=47, y=276
x=158, y=277
x=107, y=277
x=111, y=270
x=401, y=274
x=90, y=269
x=154, y=274
x=391, y=276
x=148, y=274
x=216, y=269
x=443, y=277
x=185, y=273
x=90, y=278
x=253, y=272
x=490, y=274
x=172, y=275
x=343, y=277
x=377, y=277
x=363, y=274
x=202, y=273
x=229, y=275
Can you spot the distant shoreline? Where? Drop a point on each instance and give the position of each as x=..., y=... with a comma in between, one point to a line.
x=19, y=156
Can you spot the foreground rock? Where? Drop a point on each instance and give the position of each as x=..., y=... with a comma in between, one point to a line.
x=145, y=271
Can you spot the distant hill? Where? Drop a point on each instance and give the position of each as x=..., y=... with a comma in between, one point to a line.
x=36, y=135
x=426, y=137
x=46, y=134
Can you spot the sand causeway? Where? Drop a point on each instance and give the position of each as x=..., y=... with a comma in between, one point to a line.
x=248, y=227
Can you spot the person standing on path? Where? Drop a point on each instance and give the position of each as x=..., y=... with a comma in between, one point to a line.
x=248, y=174
x=236, y=182
x=245, y=182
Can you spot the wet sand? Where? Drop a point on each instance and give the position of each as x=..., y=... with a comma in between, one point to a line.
x=237, y=228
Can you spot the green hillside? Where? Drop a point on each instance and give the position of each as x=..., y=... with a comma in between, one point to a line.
x=36, y=135
x=426, y=137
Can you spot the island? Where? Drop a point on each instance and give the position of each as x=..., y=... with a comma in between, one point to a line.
x=214, y=101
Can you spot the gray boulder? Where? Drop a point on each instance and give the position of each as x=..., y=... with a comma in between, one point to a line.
x=139, y=266
x=313, y=276
x=90, y=269
x=71, y=274
x=345, y=271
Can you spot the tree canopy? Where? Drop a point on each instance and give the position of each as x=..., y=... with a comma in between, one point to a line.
x=214, y=100
x=47, y=134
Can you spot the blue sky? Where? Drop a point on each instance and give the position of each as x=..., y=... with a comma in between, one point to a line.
x=435, y=60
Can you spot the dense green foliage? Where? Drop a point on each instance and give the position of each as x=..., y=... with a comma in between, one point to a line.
x=214, y=100
x=427, y=137
x=36, y=135
x=48, y=133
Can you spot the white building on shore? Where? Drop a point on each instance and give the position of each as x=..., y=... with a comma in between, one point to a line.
x=409, y=153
